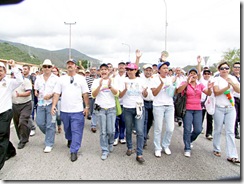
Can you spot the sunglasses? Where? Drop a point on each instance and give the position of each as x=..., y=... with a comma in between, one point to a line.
x=224, y=68
x=236, y=67
x=128, y=69
x=47, y=66
x=71, y=80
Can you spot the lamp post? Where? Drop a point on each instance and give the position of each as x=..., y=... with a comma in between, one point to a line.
x=128, y=47
x=70, y=24
x=166, y=24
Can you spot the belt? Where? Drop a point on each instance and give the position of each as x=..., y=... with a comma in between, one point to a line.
x=147, y=101
x=225, y=106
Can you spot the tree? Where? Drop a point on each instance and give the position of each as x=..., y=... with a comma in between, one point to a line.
x=231, y=56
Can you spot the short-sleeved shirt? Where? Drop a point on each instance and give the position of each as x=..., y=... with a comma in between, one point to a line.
x=133, y=93
x=71, y=98
x=105, y=97
x=162, y=97
x=193, y=95
x=25, y=86
x=222, y=100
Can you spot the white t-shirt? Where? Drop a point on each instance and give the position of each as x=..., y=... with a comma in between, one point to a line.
x=147, y=82
x=222, y=100
x=162, y=98
x=25, y=86
x=133, y=93
x=205, y=83
x=105, y=97
x=120, y=80
x=71, y=98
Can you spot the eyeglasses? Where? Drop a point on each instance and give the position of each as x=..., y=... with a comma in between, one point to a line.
x=236, y=67
x=206, y=74
x=224, y=68
x=47, y=66
x=71, y=80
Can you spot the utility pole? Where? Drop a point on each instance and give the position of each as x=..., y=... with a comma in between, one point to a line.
x=70, y=24
x=129, y=49
x=166, y=24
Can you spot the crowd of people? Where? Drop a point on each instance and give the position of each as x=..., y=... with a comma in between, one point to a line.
x=60, y=102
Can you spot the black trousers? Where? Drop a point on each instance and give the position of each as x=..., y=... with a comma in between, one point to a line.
x=237, y=107
x=6, y=147
x=209, y=129
x=21, y=116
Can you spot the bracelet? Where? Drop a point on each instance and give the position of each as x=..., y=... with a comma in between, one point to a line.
x=87, y=107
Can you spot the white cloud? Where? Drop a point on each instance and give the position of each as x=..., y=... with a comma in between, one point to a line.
x=205, y=27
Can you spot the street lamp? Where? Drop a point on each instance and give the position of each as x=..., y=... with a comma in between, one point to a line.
x=70, y=24
x=128, y=47
x=166, y=24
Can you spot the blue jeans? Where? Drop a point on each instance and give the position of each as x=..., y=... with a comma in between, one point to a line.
x=164, y=113
x=130, y=120
x=192, y=123
x=73, y=128
x=43, y=120
x=106, y=119
x=148, y=120
x=225, y=116
x=120, y=126
x=92, y=114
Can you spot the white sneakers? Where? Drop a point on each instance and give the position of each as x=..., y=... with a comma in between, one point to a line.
x=122, y=141
x=116, y=142
x=158, y=153
x=167, y=151
x=32, y=132
x=187, y=154
x=47, y=149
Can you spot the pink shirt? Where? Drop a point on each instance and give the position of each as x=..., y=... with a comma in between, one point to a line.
x=193, y=95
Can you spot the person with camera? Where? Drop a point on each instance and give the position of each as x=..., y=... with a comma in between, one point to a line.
x=7, y=86
x=104, y=90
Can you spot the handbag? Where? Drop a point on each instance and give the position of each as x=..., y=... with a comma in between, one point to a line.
x=180, y=104
x=118, y=107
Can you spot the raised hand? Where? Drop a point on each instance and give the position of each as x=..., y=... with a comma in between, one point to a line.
x=199, y=59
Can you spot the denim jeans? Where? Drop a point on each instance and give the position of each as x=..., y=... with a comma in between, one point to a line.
x=73, y=128
x=43, y=120
x=130, y=122
x=120, y=126
x=209, y=126
x=148, y=120
x=92, y=114
x=225, y=116
x=106, y=119
x=192, y=123
x=164, y=113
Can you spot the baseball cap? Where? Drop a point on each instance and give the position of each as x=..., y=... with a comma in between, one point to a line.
x=163, y=63
x=132, y=66
x=193, y=69
x=207, y=70
x=147, y=66
x=103, y=65
x=71, y=60
x=2, y=65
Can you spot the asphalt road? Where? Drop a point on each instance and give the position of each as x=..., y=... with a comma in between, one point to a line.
x=31, y=163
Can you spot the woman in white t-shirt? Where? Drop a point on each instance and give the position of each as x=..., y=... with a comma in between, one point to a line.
x=133, y=109
x=224, y=87
x=104, y=90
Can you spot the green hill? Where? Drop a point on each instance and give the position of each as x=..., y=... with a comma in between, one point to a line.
x=28, y=54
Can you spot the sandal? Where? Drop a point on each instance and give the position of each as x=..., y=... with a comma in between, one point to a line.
x=234, y=160
x=59, y=129
x=216, y=153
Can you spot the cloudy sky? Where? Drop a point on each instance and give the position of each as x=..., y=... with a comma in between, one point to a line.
x=195, y=27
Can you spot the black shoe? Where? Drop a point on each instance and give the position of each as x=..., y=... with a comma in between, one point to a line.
x=179, y=122
x=69, y=143
x=140, y=159
x=73, y=157
x=237, y=136
x=8, y=156
x=21, y=145
x=145, y=145
x=89, y=117
x=93, y=130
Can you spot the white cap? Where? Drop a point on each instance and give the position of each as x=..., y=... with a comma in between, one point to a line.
x=2, y=65
x=47, y=62
x=147, y=66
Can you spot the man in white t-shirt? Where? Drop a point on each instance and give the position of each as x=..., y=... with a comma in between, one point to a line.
x=72, y=87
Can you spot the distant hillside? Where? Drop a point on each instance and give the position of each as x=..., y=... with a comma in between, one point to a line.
x=28, y=54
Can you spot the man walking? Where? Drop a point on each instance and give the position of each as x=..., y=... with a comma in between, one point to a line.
x=7, y=86
x=73, y=87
